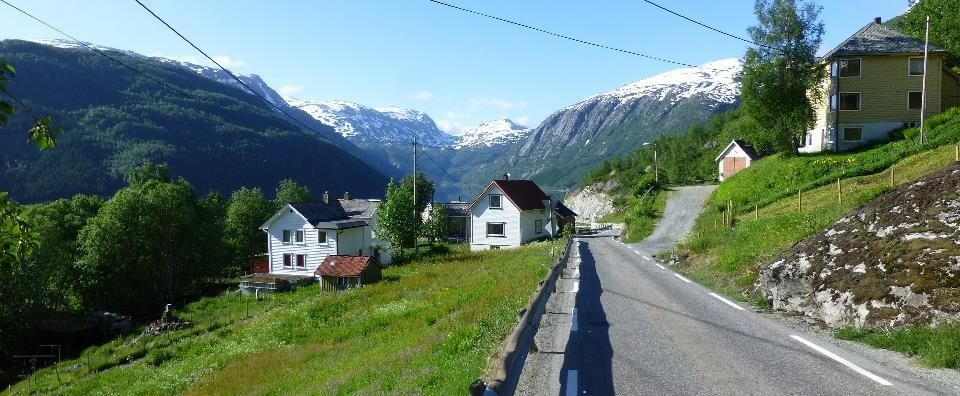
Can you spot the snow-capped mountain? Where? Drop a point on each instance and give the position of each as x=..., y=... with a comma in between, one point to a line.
x=363, y=124
x=252, y=80
x=495, y=133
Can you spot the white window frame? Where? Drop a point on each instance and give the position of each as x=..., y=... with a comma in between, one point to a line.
x=843, y=133
x=324, y=240
x=859, y=71
x=499, y=201
x=909, y=61
x=299, y=237
x=859, y=100
x=538, y=226
x=288, y=257
x=502, y=234
x=296, y=264
x=286, y=236
x=343, y=281
x=908, y=101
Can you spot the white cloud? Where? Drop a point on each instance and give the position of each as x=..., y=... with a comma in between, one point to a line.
x=290, y=90
x=451, y=127
x=421, y=96
x=225, y=61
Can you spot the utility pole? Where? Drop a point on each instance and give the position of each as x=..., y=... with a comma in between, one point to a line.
x=923, y=90
x=656, y=166
x=415, y=196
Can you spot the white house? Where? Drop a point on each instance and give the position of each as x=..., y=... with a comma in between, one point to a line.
x=736, y=157
x=302, y=234
x=509, y=213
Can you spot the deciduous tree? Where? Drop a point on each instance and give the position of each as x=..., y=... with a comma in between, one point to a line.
x=246, y=212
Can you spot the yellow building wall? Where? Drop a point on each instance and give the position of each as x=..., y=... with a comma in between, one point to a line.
x=883, y=85
x=950, y=90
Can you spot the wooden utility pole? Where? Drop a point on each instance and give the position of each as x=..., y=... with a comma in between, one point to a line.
x=923, y=89
x=415, y=214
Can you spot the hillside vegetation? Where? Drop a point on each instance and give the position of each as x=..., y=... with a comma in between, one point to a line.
x=214, y=134
x=427, y=328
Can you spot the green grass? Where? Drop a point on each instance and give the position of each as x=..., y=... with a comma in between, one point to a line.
x=640, y=216
x=429, y=327
x=934, y=347
x=777, y=177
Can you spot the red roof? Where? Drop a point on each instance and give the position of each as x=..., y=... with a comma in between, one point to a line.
x=525, y=194
x=347, y=266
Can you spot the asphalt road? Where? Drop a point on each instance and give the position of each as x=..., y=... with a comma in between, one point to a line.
x=621, y=323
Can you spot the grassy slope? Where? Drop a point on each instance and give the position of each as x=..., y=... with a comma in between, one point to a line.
x=639, y=217
x=429, y=327
x=727, y=259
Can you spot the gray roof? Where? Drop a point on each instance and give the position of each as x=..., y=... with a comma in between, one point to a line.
x=564, y=211
x=360, y=208
x=456, y=209
x=877, y=39
x=318, y=211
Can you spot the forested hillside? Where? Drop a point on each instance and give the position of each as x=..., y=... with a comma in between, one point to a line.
x=215, y=135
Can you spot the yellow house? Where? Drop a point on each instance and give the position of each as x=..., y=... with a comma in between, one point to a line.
x=874, y=88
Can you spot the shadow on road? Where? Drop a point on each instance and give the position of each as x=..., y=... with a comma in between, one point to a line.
x=588, y=349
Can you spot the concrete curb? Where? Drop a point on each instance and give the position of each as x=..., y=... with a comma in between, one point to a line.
x=505, y=381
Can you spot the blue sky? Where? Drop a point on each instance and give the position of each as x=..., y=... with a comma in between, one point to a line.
x=460, y=69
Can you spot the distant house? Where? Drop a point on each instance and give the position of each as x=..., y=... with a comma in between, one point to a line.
x=458, y=214
x=875, y=87
x=737, y=156
x=509, y=213
x=340, y=272
x=564, y=216
x=301, y=235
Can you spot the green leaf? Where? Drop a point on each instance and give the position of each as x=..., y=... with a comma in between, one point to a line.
x=43, y=133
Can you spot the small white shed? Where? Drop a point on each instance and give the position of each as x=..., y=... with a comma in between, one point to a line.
x=737, y=156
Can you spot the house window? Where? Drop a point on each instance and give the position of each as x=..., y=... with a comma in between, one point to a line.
x=299, y=236
x=494, y=247
x=342, y=281
x=495, y=229
x=321, y=237
x=809, y=139
x=849, y=67
x=301, y=261
x=288, y=260
x=853, y=134
x=538, y=226
x=286, y=236
x=915, y=100
x=916, y=67
x=849, y=101
x=496, y=201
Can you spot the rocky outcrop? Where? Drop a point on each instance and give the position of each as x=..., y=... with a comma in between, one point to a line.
x=591, y=202
x=892, y=262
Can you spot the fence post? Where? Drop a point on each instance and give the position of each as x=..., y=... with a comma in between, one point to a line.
x=891, y=177
x=799, y=200
x=756, y=211
x=839, y=192
x=956, y=152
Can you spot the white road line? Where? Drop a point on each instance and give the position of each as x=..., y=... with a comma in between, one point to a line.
x=647, y=258
x=661, y=267
x=842, y=361
x=573, y=321
x=576, y=287
x=728, y=302
x=682, y=278
x=571, y=383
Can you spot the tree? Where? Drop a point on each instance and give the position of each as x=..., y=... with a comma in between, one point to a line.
x=424, y=190
x=780, y=78
x=435, y=228
x=289, y=191
x=246, y=212
x=944, y=26
x=396, y=223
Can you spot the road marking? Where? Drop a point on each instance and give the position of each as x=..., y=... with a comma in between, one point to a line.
x=728, y=302
x=682, y=278
x=841, y=360
x=647, y=258
x=573, y=321
x=576, y=287
x=571, y=383
x=661, y=267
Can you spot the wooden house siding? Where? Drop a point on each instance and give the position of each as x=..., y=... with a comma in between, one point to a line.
x=371, y=274
x=883, y=86
x=481, y=214
x=950, y=90
x=311, y=247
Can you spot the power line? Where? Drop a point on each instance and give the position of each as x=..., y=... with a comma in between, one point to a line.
x=709, y=27
x=98, y=51
x=223, y=68
x=585, y=42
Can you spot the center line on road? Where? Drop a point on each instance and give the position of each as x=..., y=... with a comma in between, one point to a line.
x=842, y=361
x=661, y=267
x=728, y=302
x=682, y=278
x=571, y=383
x=573, y=321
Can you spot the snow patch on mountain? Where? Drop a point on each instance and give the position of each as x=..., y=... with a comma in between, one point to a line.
x=716, y=80
x=375, y=125
x=491, y=134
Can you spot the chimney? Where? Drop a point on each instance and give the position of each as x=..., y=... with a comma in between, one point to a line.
x=326, y=197
x=346, y=195
x=506, y=176
x=877, y=20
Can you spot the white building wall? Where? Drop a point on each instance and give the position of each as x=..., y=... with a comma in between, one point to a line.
x=314, y=249
x=528, y=229
x=351, y=241
x=735, y=151
x=481, y=214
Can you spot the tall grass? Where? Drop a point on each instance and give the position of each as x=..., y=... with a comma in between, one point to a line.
x=935, y=347
x=428, y=327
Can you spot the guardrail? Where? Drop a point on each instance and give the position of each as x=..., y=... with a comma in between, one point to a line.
x=507, y=371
